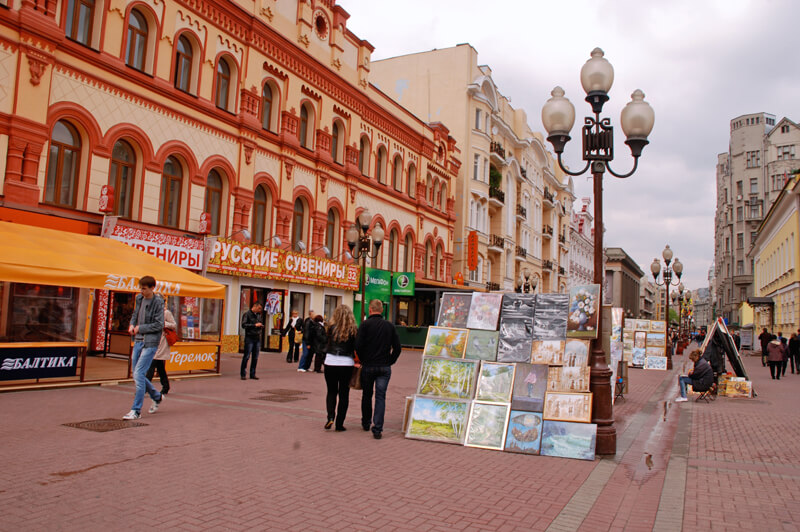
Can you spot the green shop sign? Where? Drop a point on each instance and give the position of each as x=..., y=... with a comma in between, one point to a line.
x=377, y=284
x=403, y=284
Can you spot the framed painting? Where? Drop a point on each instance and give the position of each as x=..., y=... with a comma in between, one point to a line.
x=569, y=440
x=487, y=425
x=516, y=328
x=482, y=345
x=642, y=325
x=656, y=339
x=495, y=380
x=550, y=319
x=524, y=433
x=655, y=363
x=547, y=352
x=627, y=344
x=583, y=306
x=576, y=353
x=446, y=342
x=627, y=334
x=447, y=377
x=454, y=310
x=639, y=339
x=568, y=379
x=514, y=349
x=639, y=354
x=658, y=326
x=654, y=351
x=438, y=419
x=530, y=385
x=562, y=406
x=518, y=306
x=484, y=311
x=739, y=388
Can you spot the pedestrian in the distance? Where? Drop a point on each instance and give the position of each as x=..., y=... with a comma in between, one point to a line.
x=765, y=338
x=162, y=355
x=378, y=348
x=317, y=343
x=785, y=361
x=339, y=364
x=794, y=351
x=293, y=326
x=305, y=363
x=775, y=354
x=147, y=328
x=252, y=325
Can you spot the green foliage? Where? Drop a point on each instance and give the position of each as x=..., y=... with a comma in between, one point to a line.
x=495, y=177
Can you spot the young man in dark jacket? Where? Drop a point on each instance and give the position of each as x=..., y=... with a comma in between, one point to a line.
x=765, y=339
x=701, y=377
x=377, y=347
x=251, y=323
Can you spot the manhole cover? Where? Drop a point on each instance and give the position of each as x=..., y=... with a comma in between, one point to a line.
x=284, y=391
x=105, y=425
x=279, y=398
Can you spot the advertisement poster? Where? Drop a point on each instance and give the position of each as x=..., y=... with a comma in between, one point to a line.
x=189, y=357
x=38, y=362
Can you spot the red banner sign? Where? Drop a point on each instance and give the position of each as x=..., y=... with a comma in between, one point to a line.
x=178, y=250
x=230, y=257
x=472, y=251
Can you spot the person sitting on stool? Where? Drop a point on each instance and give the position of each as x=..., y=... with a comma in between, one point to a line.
x=701, y=377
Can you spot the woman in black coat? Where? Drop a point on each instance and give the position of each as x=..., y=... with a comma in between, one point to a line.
x=340, y=359
x=293, y=325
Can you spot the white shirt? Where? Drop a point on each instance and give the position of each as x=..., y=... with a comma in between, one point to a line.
x=338, y=360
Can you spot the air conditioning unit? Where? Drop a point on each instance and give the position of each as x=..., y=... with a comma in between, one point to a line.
x=738, y=197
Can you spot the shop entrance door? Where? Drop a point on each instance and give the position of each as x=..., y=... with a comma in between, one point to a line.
x=271, y=316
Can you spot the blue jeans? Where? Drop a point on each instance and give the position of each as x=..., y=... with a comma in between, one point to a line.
x=305, y=360
x=377, y=376
x=251, y=348
x=683, y=380
x=140, y=362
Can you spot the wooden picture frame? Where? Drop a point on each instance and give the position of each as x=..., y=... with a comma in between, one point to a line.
x=549, y=352
x=454, y=310
x=568, y=379
x=524, y=432
x=484, y=311
x=568, y=406
x=584, y=303
x=452, y=378
x=576, y=352
x=495, y=382
x=446, y=342
x=569, y=440
x=487, y=425
x=482, y=345
x=438, y=419
x=655, y=363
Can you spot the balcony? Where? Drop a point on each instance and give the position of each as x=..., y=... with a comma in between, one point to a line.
x=497, y=149
x=522, y=213
x=521, y=253
x=549, y=198
x=547, y=231
x=497, y=197
x=496, y=243
x=492, y=286
x=547, y=264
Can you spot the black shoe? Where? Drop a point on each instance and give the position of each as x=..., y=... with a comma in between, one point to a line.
x=365, y=426
x=288, y=360
x=253, y=377
x=164, y=391
x=328, y=424
x=377, y=435
x=244, y=378
x=317, y=371
x=340, y=429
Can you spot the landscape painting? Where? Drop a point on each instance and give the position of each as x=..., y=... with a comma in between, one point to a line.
x=436, y=419
x=454, y=310
x=583, y=307
x=638, y=357
x=642, y=325
x=654, y=351
x=518, y=306
x=530, y=385
x=487, y=425
x=569, y=440
x=568, y=379
x=447, y=377
x=576, y=353
x=524, y=433
x=560, y=406
x=655, y=363
x=484, y=311
x=482, y=345
x=656, y=339
x=446, y=342
x=495, y=380
x=658, y=326
x=547, y=352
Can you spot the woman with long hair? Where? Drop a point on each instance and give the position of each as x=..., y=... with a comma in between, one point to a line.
x=340, y=359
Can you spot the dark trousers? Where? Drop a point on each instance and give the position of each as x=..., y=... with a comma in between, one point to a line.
x=294, y=352
x=783, y=366
x=337, y=378
x=162, y=374
x=251, y=348
x=763, y=356
x=376, y=377
x=319, y=359
x=793, y=363
x=775, y=368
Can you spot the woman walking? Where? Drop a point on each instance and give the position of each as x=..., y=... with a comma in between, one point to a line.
x=339, y=363
x=775, y=357
x=161, y=357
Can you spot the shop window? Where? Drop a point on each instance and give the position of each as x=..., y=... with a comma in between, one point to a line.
x=380, y=166
x=80, y=21
x=120, y=176
x=267, y=108
x=223, y=84
x=331, y=302
x=298, y=224
x=337, y=144
x=171, y=182
x=213, y=200
x=397, y=173
x=412, y=180
x=61, y=184
x=363, y=156
x=392, y=250
x=262, y=215
x=136, y=54
x=44, y=313
x=331, y=233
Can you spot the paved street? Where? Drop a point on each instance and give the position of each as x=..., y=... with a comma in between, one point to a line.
x=216, y=457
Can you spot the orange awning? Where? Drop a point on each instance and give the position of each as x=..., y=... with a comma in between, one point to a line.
x=47, y=256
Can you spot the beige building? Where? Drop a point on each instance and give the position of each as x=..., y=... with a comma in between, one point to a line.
x=622, y=282
x=510, y=191
x=581, y=246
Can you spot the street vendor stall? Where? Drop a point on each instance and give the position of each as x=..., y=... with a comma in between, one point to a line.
x=48, y=283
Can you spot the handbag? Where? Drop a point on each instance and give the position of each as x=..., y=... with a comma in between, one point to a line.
x=355, y=379
x=171, y=335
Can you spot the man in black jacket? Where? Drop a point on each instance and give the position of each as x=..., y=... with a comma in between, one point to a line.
x=701, y=377
x=377, y=347
x=251, y=323
x=765, y=339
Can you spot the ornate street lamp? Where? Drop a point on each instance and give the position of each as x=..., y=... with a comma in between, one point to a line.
x=527, y=284
x=637, y=118
x=361, y=240
x=677, y=268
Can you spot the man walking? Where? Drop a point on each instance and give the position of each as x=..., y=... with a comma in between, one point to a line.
x=765, y=339
x=146, y=327
x=251, y=323
x=377, y=347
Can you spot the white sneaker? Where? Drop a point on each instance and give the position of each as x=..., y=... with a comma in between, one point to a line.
x=681, y=400
x=133, y=414
x=155, y=405
x=301, y=370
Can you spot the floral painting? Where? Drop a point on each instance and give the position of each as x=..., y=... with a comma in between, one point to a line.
x=569, y=440
x=547, y=352
x=484, y=311
x=482, y=345
x=530, y=385
x=524, y=433
x=568, y=379
x=446, y=342
x=487, y=425
x=454, y=310
x=576, y=353
x=495, y=380
x=583, y=307
x=447, y=377
x=437, y=419
x=561, y=406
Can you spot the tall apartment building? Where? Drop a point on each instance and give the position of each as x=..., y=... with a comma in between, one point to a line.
x=509, y=192
x=749, y=178
x=581, y=246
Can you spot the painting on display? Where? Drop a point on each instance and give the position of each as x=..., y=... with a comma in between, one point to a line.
x=569, y=440
x=658, y=326
x=438, y=419
x=487, y=425
x=447, y=377
x=639, y=339
x=524, y=433
x=568, y=379
x=576, y=353
x=583, y=307
x=655, y=363
x=550, y=318
x=616, y=324
x=482, y=345
x=514, y=344
x=495, y=380
x=518, y=306
x=739, y=388
x=454, y=310
x=655, y=339
x=654, y=351
x=446, y=342
x=547, y=352
x=642, y=325
x=530, y=385
x=484, y=311
x=638, y=357
x=627, y=344
x=561, y=406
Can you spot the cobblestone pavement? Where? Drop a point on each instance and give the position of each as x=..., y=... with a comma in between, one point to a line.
x=216, y=457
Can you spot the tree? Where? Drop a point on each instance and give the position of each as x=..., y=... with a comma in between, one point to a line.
x=673, y=315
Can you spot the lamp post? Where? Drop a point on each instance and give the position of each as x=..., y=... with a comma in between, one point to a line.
x=527, y=284
x=677, y=268
x=677, y=297
x=360, y=240
x=637, y=118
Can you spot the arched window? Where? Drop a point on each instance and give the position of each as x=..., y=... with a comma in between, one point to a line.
x=61, y=186
x=213, y=203
x=380, y=166
x=223, y=83
x=80, y=19
x=120, y=176
x=363, y=156
x=332, y=233
x=408, y=259
x=266, y=107
x=136, y=54
x=443, y=197
x=439, y=265
x=412, y=181
x=171, y=181
x=429, y=189
x=262, y=215
x=336, y=142
x=397, y=173
x=393, y=239
x=306, y=126
x=298, y=222
x=428, y=265
x=184, y=55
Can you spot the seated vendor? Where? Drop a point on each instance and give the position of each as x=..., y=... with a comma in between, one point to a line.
x=701, y=377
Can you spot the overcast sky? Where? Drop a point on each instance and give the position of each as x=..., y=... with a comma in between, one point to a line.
x=700, y=64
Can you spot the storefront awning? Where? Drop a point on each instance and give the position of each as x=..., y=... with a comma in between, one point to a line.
x=47, y=256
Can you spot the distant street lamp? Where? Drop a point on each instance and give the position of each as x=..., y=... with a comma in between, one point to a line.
x=527, y=284
x=361, y=240
x=677, y=268
x=637, y=118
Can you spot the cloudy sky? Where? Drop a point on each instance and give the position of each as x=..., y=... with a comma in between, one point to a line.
x=700, y=63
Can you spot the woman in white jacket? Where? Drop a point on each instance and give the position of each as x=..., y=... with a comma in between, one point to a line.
x=161, y=356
